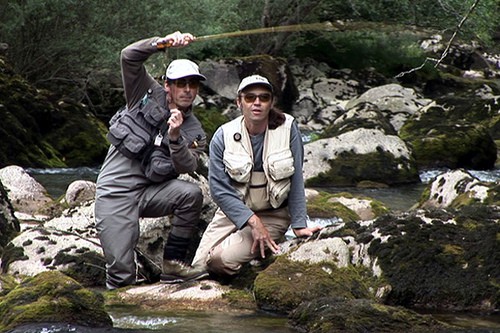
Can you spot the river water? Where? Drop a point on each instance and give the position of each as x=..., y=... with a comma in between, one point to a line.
x=133, y=319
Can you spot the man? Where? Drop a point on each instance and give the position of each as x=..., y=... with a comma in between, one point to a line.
x=255, y=177
x=154, y=139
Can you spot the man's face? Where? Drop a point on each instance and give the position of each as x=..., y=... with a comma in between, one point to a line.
x=183, y=91
x=255, y=102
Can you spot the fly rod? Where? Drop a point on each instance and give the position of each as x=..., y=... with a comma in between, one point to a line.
x=325, y=26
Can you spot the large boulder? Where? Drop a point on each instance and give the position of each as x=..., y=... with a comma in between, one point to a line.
x=52, y=297
x=441, y=141
x=26, y=194
x=344, y=206
x=424, y=258
x=338, y=315
x=225, y=75
x=9, y=224
x=69, y=241
x=395, y=102
x=359, y=156
x=458, y=188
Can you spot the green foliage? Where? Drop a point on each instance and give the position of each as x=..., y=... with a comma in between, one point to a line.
x=68, y=40
x=211, y=119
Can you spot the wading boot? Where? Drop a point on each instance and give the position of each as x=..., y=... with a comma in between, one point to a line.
x=177, y=272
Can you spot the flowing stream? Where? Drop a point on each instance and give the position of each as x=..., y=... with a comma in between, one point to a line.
x=133, y=319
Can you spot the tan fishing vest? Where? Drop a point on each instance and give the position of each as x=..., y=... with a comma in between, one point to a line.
x=259, y=190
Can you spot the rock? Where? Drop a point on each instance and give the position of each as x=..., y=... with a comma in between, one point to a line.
x=9, y=225
x=323, y=250
x=25, y=193
x=458, y=188
x=79, y=192
x=438, y=259
x=345, y=206
x=52, y=297
x=224, y=78
x=363, y=115
x=430, y=259
x=394, y=101
x=441, y=142
x=337, y=315
x=285, y=284
x=226, y=75
x=356, y=156
x=67, y=243
x=201, y=295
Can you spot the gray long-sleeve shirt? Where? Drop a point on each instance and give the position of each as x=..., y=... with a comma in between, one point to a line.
x=226, y=196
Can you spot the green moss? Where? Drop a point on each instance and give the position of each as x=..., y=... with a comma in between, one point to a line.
x=210, y=119
x=241, y=299
x=378, y=207
x=285, y=284
x=493, y=198
x=7, y=283
x=350, y=169
x=439, y=139
x=320, y=206
x=52, y=297
x=323, y=207
x=440, y=264
x=453, y=249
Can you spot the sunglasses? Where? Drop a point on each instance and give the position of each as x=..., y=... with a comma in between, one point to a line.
x=182, y=83
x=250, y=98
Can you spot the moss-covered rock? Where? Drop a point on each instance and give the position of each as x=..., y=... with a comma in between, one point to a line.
x=441, y=259
x=41, y=130
x=7, y=283
x=285, y=284
x=338, y=315
x=326, y=205
x=350, y=169
x=52, y=297
x=439, y=140
x=459, y=188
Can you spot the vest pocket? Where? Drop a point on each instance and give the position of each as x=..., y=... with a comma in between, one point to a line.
x=281, y=165
x=129, y=136
x=153, y=113
x=238, y=166
x=278, y=192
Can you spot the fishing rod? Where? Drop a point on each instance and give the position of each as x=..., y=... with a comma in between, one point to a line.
x=325, y=26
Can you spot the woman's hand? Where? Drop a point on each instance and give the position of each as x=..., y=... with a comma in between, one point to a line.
x=306, y=232
x=261, y=237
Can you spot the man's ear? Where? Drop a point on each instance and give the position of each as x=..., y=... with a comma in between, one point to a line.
x=166, y=86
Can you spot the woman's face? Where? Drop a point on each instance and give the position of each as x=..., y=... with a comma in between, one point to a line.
x=255, y=103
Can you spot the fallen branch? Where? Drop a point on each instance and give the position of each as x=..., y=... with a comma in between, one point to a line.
x=448, y=46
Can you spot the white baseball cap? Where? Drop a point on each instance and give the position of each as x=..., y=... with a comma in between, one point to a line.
x=254, y=79
x=181, y=68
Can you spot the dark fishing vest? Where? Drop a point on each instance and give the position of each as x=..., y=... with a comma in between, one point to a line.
x=140, y=133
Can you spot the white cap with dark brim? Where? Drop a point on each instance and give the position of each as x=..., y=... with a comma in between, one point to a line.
x=180, y=68
x=254, y=80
